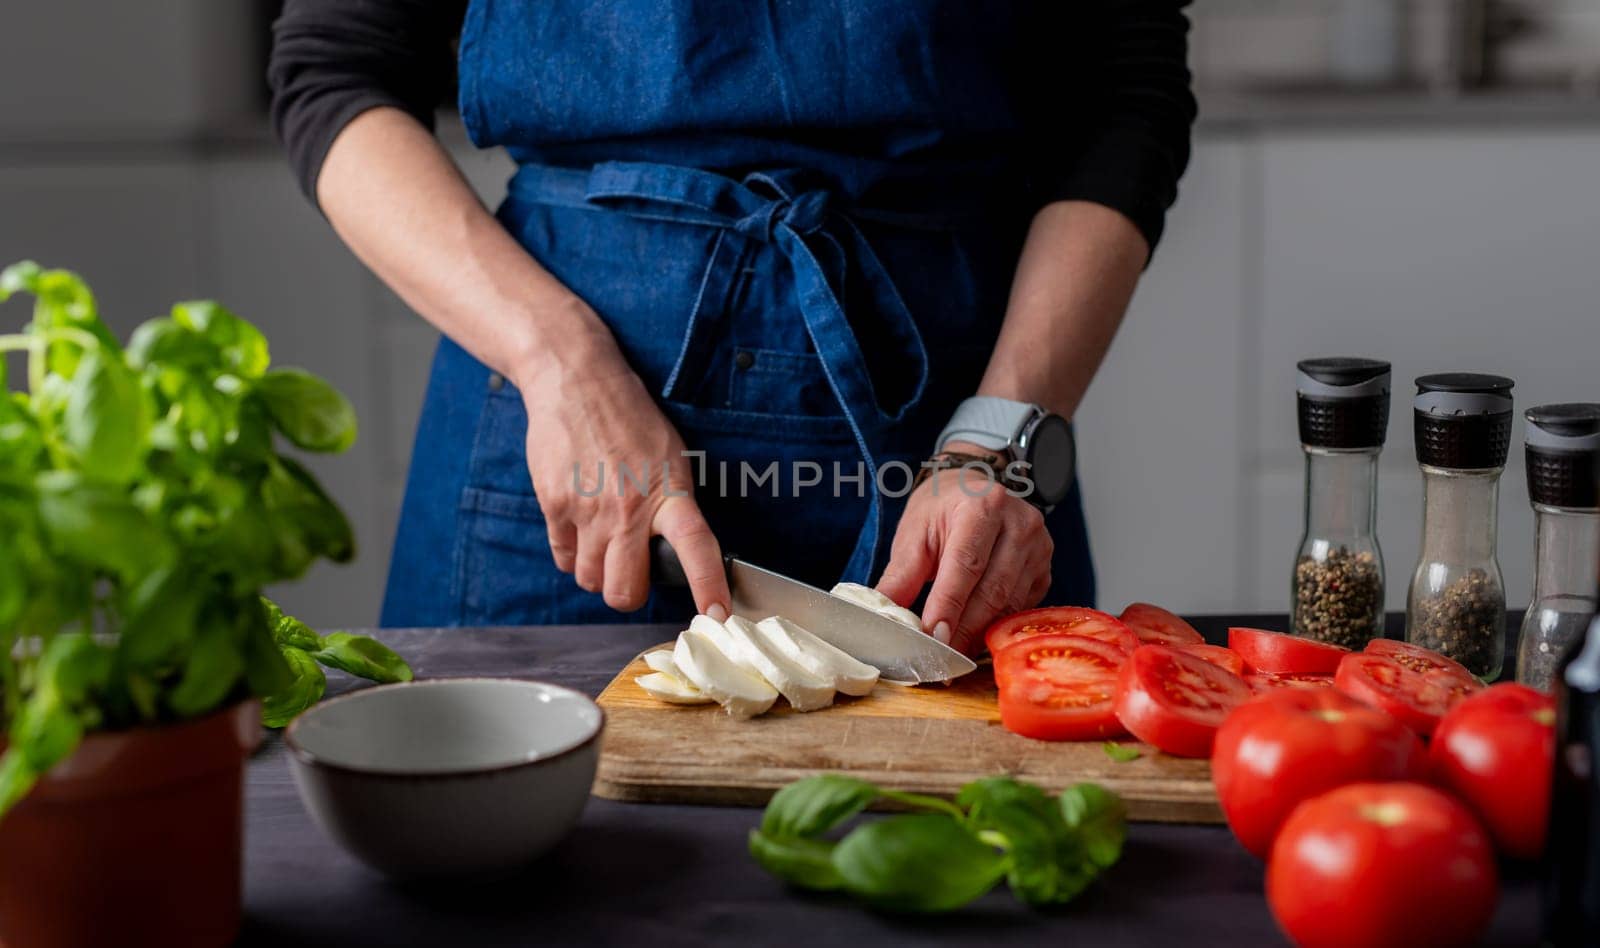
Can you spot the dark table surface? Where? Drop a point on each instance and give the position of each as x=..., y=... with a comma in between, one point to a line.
x=648, y=875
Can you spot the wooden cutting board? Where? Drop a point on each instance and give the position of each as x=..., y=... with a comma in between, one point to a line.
x=928, y=739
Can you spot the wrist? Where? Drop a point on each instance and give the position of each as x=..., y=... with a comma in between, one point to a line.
x=560, y=342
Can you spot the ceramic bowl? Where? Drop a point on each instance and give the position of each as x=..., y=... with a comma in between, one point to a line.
x=447, y=776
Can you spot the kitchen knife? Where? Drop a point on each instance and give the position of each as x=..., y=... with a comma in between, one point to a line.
x=902, y=655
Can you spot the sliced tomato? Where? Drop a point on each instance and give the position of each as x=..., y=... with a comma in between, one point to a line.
x=1417, y=658
x=1059, y=687
x=1277, y=654
x=1176, y=700
x=1418, y=698
x=1155, y=624
x=1216, y=655
x=1264, y=682
x=1077, y=620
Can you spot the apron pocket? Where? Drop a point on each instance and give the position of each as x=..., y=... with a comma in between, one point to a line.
x=503, y=571
x=770, y=382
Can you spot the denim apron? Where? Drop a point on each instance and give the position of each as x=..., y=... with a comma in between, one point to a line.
x=807, y=310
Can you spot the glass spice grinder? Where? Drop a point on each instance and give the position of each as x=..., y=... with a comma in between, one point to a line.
x=1457, y=601
x=1562, y=451
x=1337, y=592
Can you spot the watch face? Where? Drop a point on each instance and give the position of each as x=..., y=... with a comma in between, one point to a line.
x=1050, y=450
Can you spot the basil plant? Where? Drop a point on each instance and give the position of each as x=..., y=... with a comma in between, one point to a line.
x=144, y=504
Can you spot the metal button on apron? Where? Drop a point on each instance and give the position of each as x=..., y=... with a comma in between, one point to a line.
x=744, y=359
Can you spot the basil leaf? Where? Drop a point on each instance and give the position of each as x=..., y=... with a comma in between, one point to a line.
x=1048, y=865
x=310, y=412
x=288, y=631
x=806, y=863
x=13, y=586
x=1100, y=819
x=307, y=683
x=159, y=621
x=307, y=523
x=243, y=347
x=99, y=525
x=19, y=277
x=362, y=656
x=164, y=343
x=106, y=421
x=917, y=862
x=1121, y=753
x=265, y=670
x=815, y=805
x=17, y=777
x=210, y=672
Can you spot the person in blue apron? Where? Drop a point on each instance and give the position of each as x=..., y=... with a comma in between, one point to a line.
x=818, y=283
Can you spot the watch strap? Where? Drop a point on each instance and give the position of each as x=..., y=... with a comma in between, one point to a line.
x=988, y=422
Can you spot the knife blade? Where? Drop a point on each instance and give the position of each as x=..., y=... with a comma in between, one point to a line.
x=902, y=655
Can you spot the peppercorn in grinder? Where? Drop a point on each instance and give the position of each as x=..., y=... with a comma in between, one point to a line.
x=1563, y=458
x=1337, y=592
x=1457, y=601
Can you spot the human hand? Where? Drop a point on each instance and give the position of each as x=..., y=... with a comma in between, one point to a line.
x=987, y=552
x=592, y=425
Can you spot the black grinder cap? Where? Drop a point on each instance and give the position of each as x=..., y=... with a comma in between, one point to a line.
x=1463, y=420
x=1563, y=455
x=1344, y=403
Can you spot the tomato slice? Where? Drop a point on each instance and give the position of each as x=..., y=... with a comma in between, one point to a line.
x=1077, y=620
x=1176, y=700
x=1264, y=682
x=1418, y=698
x=1216, y=655
x=1155, y=624
x=1417, y=658
x=1059, y=687
x=1277, y=654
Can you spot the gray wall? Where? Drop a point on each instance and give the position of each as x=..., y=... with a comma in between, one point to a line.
x=1439, y=235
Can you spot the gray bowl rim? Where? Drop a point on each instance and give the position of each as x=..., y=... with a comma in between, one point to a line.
x=309, y=759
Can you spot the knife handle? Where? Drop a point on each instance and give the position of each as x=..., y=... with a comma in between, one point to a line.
x=665, y=567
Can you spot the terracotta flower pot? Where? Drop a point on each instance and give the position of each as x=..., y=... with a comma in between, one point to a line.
x=133, y=840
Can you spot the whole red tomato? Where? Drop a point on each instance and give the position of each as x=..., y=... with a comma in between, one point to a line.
x=1382, y=865
x=1292, y=744
x=1495, y=749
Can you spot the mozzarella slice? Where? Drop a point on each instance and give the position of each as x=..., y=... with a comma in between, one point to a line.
x=741, y=692
x=671, y=688
x=862, y=595
x=818, y=657
x=805, y=690
x=877, y=602
x=661, y=661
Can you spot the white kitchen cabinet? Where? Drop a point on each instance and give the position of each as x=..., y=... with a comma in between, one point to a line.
x=1449, y=250
x=1161, y=430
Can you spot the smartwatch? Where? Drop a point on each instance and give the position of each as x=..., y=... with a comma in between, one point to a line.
x=1019, y=431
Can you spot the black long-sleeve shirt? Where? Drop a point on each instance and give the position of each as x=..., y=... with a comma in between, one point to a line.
x=1110, y=100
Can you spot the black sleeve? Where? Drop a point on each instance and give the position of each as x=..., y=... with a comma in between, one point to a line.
x=334, y=59
x=1131, y=61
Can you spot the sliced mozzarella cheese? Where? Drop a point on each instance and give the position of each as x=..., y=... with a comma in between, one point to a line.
x=661, y=661
x=903, y=616
x=818, y=657
x=877, y=602
x=805, y=690
x=671, y=688
x=740, y=691
x=862, y=596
